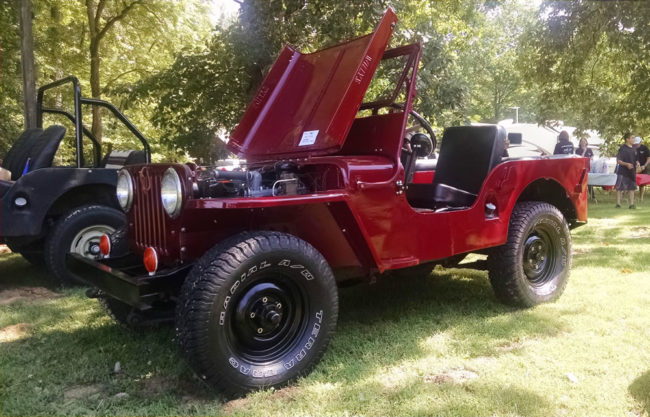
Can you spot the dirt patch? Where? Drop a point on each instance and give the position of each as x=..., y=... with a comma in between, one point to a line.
x=26, y=294
x=455, y=376
x=158, y=385
x=640, y=232
x=234, y=405
x=4, y=249
x=287, y=393
x=79, y=392
x=14, y=332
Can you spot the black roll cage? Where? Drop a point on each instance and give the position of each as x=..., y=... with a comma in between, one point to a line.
x=80, y=129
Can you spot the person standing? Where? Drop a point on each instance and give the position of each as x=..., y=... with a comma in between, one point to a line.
x=626, y=162
x=584, y=151
x=642, y=154
x=564, y=145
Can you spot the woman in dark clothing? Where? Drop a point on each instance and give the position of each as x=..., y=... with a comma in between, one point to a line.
x=626, y=170
x=564, y=146
x=583, y=150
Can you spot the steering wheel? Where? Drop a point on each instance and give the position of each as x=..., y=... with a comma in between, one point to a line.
x=421, y=121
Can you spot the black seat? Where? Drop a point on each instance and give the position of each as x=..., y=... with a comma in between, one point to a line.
x=17, y=156
x=36, y=146
x=467, y=155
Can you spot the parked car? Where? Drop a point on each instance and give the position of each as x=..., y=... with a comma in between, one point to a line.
x=248, y=262
x=49, y=210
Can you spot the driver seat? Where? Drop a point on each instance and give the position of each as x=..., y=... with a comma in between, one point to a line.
x=34, y=149
x=467, y=155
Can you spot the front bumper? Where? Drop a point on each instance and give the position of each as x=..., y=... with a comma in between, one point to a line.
x=125, y=279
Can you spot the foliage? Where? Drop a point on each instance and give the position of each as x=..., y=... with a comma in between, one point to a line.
x=437, y=345
x=10, y=76
x=591, y=65
x=141, y=43
x=203, y=95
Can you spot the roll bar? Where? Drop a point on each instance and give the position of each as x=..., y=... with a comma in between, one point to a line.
x=80, y=129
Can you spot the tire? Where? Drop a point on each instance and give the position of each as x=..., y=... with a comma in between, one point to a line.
x=534, y=264
x=79, y=231
x=219, y=322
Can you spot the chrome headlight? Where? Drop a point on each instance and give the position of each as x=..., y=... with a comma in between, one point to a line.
x=124, y=189
x=171, y=193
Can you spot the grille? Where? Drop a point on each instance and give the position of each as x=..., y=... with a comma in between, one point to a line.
x=149, y=216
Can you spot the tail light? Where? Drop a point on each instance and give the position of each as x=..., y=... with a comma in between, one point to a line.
x=150, y=260
x=105, y=245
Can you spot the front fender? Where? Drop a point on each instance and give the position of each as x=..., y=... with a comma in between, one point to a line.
x=42, y=188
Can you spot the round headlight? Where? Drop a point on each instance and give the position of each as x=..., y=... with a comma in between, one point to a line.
x=124, y=189
x=170, y=192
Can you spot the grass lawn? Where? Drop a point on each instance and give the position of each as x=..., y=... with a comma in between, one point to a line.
x=435, y=345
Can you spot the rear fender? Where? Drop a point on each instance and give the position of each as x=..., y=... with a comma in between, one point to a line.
x=550, y=191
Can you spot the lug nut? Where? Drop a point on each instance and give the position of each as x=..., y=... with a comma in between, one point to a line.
x=279, y=306
x=252, y=315
x=260, y=330
x=265, y=300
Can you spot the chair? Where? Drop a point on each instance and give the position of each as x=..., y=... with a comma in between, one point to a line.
x=467, y=155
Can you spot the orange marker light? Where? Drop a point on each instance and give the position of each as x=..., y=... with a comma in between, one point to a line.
x=150, y=259
x=105, y=245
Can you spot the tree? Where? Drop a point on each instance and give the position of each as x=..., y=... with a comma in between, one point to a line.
x=203, y=95
x=100, y=22
x=27, y=60
x=136, y=46
x=11, y=113
x=591, y=65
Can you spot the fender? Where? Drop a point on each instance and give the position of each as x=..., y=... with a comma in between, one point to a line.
x=36, y=187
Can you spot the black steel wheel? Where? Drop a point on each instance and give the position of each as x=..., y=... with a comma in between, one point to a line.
x=79, y=231
x=257, y=311
x=534, y=264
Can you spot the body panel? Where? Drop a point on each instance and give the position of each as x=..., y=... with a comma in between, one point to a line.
x=36, y=187
x=393, y=233
x=307, y=103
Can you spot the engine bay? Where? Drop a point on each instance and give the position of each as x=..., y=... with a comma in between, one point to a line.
x=281, y=178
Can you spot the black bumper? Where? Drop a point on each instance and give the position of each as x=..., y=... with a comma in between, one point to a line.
x=124, y=279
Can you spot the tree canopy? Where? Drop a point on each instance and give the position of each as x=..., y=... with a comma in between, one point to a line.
x=186, y=82
x=590, y=62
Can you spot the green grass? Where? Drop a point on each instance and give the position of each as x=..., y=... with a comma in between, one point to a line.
x=436, y=345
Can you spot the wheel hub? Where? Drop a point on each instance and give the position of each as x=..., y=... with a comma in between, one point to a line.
x=265, y=312
x=86, y=242
x=266, y=319
x=536, y=258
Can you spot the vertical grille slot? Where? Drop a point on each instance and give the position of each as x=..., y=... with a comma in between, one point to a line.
x=149, y=216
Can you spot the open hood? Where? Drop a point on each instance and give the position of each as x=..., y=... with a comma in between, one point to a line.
x=307, y=102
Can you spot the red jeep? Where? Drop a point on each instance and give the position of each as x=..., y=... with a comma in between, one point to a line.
x=333, y=190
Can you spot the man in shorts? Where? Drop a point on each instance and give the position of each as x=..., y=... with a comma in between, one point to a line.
x=626, y=161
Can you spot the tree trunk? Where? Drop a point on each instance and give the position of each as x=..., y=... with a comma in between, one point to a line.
x=27, y=60
x=95, y=89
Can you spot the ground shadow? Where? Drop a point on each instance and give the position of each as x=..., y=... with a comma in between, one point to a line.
x=74, y=345
x=640, y=391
